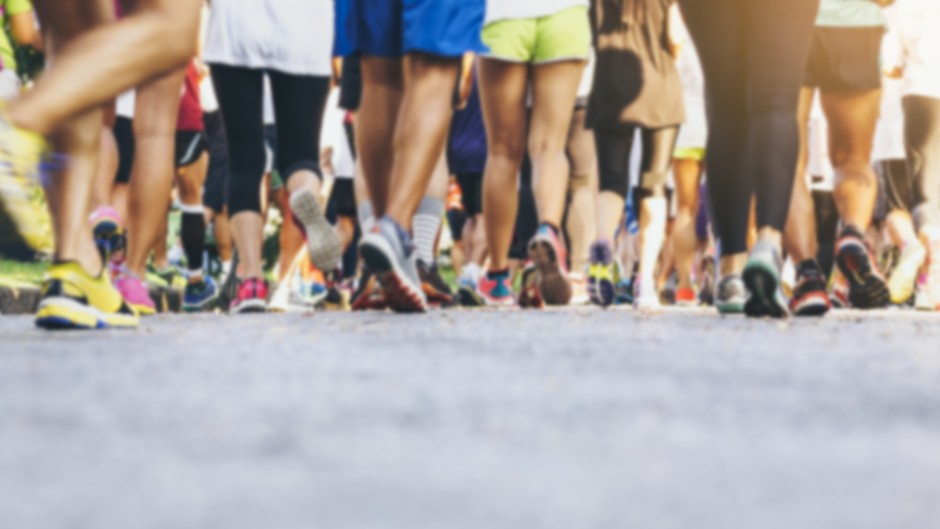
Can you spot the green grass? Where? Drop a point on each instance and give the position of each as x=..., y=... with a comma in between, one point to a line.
x=20, y=273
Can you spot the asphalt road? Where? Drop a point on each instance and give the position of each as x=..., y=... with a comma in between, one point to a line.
x=568, y=419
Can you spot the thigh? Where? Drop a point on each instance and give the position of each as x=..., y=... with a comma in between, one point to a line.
x=852, y=118
x=299, y=102
x=503, y=88
x=63, y=21
x=554, y=90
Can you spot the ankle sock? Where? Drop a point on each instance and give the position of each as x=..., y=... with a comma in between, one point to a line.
x=426, y=223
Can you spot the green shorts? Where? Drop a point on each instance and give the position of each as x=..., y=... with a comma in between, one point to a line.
x=689, y=153
x=564, y=36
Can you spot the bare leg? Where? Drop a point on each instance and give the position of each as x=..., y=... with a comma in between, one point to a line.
x=156, y=37
x=581, y=223
x=420, y=132
x=800, y=232
x=382, y=92
x=688, y=176
x=503, y=93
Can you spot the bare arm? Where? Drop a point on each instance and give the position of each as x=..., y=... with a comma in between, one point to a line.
x=24, y=31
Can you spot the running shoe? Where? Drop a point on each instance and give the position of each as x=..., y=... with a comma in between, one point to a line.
x=135, y=292
x=839, y=291
x=73, y=299
x=904, y=276
x=23, y=220
x=170, y=276
x=529, y=297
x=495, y=289
x=547, y=252
x=467, y=292
x=731, y=295
x=809, y=294
x=200, y=295
x=368, y=294
x=685, y=297
x=867, y=288
x=623, y=292
x=932, y=281
x=435, y=288
x=762, y=278
x=706, y=292
x=389, y=253
x=252, y=297
x=645, y=296
x=602, y=275
x=921, y=298
x=108, y=230
x=324, y=244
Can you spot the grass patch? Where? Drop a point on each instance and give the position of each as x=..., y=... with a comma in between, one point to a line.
x=22, y=273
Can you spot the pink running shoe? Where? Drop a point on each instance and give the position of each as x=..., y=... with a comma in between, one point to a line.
x=135, y=293
x=252, y=297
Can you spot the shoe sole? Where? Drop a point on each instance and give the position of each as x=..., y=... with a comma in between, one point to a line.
x=866, y=289
x=816, y=304
x=553, y=286
x=68, y=314
x=323, y=243
x=601, y=288
x=201, y=306
x=764, y=285
x=254, y=306
x=400, y=295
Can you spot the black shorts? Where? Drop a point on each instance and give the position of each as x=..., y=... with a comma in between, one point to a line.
x=343, y=198
x=350, y=85
x=456, y=220
x=471, y=190
x=845, y=59
x=124, y=136
x=190, y=146
x=215, y=192
x=895, y=191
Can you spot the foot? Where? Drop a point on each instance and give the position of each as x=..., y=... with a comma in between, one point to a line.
x=73, y=299
x=324, y=244
x=435, y=288
x=685, y=297
x=368, y=294
x=602, y=275
x=731, y=295
x=902, y=280
x=867, y=288
x=529, y=297
x=200, y=295
x=108, y=230
x=645, y=296
x=389, y=253
x=762, y=278
x=467, y=287
x=809, y=295
x=495, y=290
x=547, y=253
x=252, y=297
x=135, y=292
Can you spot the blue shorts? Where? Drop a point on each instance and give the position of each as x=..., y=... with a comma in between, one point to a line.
x=393, y=28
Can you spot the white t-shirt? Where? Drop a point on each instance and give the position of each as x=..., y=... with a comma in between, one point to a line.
x=889, y=135
x=914, y=45
x=126, y=103
x=515, y=9
x=290, y=36
x=694, y=132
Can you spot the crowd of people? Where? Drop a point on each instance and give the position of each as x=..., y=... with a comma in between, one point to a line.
x=767, y=157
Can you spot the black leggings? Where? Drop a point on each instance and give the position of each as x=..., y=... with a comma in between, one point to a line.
x=299, y=103
x=922, y=138
x=614, y=149
x=753, y=55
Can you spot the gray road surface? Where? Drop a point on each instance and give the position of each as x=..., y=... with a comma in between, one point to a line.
x=571, y=419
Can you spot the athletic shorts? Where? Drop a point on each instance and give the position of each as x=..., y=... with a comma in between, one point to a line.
x=895, y=191
x=350, y=84
x=845, y=59
x=124, y=136
x=689, y=153
x=393, y=28
x=190, y=146
x=456, y=220
x=215, y=192
x=343, y=198
x=566, y=35
x=471, y=192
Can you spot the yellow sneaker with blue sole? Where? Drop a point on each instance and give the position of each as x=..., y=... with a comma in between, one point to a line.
x=73, y=299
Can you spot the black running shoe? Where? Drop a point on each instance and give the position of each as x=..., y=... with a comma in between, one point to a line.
x=809, y=295
x=435, y=288
x=867, y=287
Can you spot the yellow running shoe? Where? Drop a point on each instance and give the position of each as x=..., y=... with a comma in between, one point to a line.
x=72, y=299
x=23, y=218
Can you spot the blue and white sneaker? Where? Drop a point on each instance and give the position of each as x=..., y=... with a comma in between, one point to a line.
x=200, y=296
x=389, y=253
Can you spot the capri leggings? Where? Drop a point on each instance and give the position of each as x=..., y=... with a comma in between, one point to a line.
x=299, y=103
x=614, y=149
x=922, y=137
x=753, y=55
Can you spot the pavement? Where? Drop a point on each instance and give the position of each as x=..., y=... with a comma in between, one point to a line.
x=569, y=419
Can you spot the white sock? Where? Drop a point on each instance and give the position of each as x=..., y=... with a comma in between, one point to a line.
x=426, y=223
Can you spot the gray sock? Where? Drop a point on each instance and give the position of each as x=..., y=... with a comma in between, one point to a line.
x=427, y=222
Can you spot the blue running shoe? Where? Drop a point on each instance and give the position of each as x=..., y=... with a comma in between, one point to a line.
x=200, y=296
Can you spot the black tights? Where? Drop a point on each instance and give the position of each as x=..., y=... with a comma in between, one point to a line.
x=614, y=149
x=753, y=55
x=299, y=103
